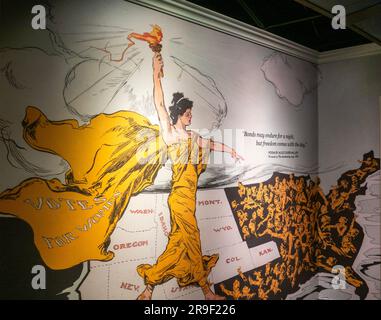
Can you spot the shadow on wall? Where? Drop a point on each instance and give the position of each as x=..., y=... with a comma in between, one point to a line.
x=19, y=255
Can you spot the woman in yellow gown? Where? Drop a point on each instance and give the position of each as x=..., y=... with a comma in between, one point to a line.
x=188, y=151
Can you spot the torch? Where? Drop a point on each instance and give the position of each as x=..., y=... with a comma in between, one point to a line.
x=153, y=38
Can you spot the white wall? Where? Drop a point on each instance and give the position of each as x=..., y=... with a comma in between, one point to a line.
x=348, y=112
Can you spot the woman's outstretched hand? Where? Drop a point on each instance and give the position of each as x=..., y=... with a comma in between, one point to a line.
x=236, y=156
x=157, y=65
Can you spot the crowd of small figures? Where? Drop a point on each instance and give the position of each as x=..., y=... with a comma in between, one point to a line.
x=313, y=231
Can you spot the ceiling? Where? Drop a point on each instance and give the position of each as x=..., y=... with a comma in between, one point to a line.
x=307, y=22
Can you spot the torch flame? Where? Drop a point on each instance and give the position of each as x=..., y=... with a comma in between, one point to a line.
x=153, y=38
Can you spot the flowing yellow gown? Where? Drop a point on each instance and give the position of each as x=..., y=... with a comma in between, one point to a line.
x=182, y=258
x=111, y=158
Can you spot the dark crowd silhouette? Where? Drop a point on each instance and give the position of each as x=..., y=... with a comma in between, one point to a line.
x=314, y=231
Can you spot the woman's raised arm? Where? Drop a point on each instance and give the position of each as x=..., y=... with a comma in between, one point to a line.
x=158, y=95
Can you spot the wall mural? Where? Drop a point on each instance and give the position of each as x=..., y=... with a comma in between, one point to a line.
x=314, y=231
x=109, y=186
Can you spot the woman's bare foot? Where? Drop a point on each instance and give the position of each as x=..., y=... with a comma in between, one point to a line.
x=146, y=294
x=210, y=295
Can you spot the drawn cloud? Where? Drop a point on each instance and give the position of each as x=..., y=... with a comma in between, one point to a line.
x=292, y=78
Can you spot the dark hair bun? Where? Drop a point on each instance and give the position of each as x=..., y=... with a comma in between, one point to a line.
x=178, y=107
x=176, y=97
